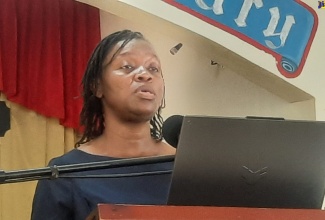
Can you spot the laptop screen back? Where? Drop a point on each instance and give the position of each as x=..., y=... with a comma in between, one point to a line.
x=240, y=162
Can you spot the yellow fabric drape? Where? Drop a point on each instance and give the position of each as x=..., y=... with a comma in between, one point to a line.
x=30, y=143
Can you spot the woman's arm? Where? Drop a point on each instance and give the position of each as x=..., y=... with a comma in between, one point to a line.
x=53, y=200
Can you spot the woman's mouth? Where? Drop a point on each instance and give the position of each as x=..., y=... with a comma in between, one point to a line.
x=145, y=93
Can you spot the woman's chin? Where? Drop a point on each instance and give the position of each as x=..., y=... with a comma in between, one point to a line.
x=145, y=114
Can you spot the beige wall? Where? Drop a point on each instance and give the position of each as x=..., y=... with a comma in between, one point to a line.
x=193, y=86
x=310, y=80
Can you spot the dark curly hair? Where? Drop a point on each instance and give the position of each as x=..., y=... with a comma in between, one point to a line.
x=91, y=117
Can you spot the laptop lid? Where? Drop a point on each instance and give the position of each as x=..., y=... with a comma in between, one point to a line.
x=240, y=162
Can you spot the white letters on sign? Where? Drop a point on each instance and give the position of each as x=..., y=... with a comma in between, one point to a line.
x=216, y=7
x=244, y=12
x=247, y=5
x=275, y=16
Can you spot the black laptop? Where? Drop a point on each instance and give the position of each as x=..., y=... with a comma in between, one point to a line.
x=249, y=162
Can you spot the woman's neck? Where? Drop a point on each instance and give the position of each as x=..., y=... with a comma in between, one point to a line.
x=126, y=139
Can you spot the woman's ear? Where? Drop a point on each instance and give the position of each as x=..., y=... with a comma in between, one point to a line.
x=98, y=89
x=163, y=101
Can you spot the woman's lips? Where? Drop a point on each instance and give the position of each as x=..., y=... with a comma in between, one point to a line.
x=146, y=92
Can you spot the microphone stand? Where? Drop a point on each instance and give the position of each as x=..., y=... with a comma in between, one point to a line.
x=53, y=172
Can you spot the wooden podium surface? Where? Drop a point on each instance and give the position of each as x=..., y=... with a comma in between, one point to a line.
x=110, y=211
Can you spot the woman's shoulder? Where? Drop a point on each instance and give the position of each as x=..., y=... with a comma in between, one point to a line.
x=167, y=149
x=76, y=156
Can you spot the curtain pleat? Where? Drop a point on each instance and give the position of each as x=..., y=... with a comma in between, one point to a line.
x=8, y=47
x=40, y=76
x=45, y=45
x=75, y=53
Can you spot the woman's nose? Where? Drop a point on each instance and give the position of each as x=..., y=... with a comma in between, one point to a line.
x=143, y=75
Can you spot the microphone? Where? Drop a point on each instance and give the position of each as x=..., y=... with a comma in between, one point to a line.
x=175, y=49
x=54, y=172
x=171, y=129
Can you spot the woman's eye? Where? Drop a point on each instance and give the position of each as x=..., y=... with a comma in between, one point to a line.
x=153, y=69
x=127, y=67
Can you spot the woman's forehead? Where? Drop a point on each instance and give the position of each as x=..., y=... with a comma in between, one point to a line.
x=133, y=46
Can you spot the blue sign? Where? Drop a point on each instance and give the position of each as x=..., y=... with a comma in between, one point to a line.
x=283, y=28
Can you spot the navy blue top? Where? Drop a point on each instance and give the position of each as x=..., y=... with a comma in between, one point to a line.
x=75, y=198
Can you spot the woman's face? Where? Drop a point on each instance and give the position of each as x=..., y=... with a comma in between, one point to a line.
x=132, y=85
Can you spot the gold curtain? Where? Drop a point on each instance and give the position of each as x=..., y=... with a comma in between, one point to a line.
x=30, y=143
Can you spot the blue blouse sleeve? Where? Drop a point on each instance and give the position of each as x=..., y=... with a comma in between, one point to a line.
x=52, y=200
x=56, y=199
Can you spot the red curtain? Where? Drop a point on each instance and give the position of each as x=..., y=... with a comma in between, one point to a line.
x=44, y=49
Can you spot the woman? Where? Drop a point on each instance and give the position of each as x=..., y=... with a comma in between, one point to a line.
x=123, y=92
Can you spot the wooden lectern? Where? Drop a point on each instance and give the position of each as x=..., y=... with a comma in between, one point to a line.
x=110, y=211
